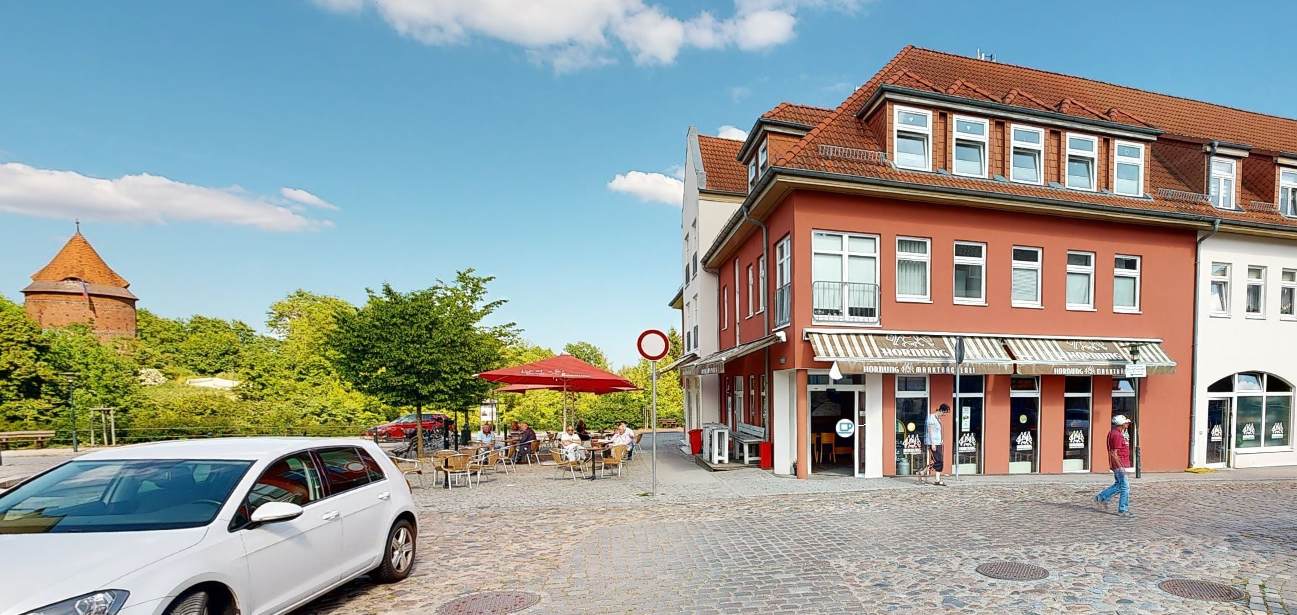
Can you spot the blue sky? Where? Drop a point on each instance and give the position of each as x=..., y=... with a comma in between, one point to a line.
x=222, y=154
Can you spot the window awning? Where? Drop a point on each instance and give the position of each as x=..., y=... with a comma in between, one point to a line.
x=715, y=363
x=1066, y=357
x=681, y=362
x=909, y=354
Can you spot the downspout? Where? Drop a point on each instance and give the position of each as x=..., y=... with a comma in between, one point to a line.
x=765, y=313
x=1193, y=373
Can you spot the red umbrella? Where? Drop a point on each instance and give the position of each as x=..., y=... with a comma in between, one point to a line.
x=563, y=372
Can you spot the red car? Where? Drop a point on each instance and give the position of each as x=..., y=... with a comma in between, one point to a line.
x=405, y=425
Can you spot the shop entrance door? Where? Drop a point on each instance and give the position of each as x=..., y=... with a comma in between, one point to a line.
x=860, y=435
x=832, y=401
x=1218, y=433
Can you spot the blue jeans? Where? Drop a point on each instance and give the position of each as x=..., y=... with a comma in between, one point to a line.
x=1122, y=486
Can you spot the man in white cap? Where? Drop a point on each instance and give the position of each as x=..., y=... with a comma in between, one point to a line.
x=1118, y=460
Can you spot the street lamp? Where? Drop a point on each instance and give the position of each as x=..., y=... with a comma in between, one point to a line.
x=71, y=377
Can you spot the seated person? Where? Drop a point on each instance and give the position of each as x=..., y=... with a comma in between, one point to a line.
x=486, y=436
x=525, y=438
x=629, y=432
x=581, y=430
x=622, y=437
x=571, y=444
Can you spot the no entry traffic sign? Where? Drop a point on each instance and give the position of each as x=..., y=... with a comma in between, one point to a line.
x=653, y=344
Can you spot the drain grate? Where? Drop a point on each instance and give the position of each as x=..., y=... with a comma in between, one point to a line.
x=1012, y=571
x=489, y=603
x=1201, y=590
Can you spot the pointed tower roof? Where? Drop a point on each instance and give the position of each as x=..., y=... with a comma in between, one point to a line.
x=79, y=260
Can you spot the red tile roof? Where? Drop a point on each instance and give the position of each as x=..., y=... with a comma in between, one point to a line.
x=805, y=115
x=720, y=161
x=1169, y=167
x=79, y=260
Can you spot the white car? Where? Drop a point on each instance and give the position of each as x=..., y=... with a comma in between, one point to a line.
x=254, y=526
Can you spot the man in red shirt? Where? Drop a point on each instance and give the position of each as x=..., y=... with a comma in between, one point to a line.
x=1118, y=460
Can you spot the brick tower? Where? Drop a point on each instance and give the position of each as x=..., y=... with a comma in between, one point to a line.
x=78, y=286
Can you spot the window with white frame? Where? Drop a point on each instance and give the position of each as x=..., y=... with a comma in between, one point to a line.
x=688, y=329
x=752, y=175
x=912, y=134
x=1220, y=289
x=1125, y=283
x=737, y=302
x=970, y=146
x=1220, y=189
x=1082, y=153
x=1255, y=291
x=844, y=276
x=1287, y=293
x=912, y=269
x=687, y=271
x=970, y=273
x=1027, y=155
x=1080, y=280
x=695, y=322
x=763, y=158
x=761, y=276
x=751, y=287
x=1288, y=193
x=694, y=246
x=783, y=282
x=725, y=308
x=1026, y=277
x=1129, y=169
x=739, y=408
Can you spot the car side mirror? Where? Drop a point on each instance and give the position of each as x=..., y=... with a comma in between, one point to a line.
x=273, y=512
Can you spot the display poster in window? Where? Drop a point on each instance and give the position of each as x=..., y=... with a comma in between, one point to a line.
x=967, y=443
x=965, y=418
x=1076, y=439
x=1217, y=434
x=1023, y=441
x=913, y=444
x=1249, y=431
x=1276, y=432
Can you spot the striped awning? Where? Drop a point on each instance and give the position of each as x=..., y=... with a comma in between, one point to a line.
x=1064, y=357
x=909, y=354
x=715, y=363
x=681, y=362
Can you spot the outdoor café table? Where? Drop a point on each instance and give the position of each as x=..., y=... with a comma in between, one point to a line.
x=595, y=453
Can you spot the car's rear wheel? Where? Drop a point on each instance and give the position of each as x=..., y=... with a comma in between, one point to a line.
x=398, y=553
x=199, y=603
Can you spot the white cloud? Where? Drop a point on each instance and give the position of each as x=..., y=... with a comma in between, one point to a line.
x=677, y=171
x=649, y=187
x=143, y=198
x=306, y=198
x=574, y=34
x=732, y=132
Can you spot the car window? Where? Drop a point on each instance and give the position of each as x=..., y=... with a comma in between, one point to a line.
x=344, y=469
x=293, y=479
x=375, y=471
x=121, y=496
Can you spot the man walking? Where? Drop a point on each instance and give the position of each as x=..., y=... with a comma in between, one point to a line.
x=1118, y=460
x=932, y=439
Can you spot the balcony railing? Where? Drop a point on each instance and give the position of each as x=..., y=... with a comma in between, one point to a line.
x=783, y=305
x=844, y=302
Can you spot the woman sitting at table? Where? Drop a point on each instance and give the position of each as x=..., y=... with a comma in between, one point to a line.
x=581, y=431
x=571, y=444
x=622, y=437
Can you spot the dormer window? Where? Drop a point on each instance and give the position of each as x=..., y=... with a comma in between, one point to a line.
x=752, y=175
x=1082, y=151
x=1130, y=169
x=1288, y=193
x=1028, y=152
x=763, y=160
x=970, y=146
x=1221, y=187
x=913, y=137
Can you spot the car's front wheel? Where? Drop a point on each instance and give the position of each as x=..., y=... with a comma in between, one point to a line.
x=199, y=603
x=398, y=553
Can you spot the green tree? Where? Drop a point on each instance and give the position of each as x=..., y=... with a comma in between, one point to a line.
x=104, y=378
x=423, y=348
x=589, y=353
x=24, y=370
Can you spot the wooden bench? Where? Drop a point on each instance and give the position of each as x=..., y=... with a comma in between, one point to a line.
x=39, y=437
x=668, y=423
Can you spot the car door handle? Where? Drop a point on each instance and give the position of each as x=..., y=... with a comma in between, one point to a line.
x=330, y=516
x=386, y=495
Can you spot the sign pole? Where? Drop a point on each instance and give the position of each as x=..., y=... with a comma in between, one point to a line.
x=655, y=429
x=653, y=345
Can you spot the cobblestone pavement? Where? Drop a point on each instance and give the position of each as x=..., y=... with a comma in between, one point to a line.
x=747, y=542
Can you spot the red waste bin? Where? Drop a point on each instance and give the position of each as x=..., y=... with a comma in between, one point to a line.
x=696, y=441
x=766, y=450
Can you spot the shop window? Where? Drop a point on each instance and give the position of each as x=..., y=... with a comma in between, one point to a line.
x=970, y=268
x=1123, y=402
x=912, y=269
x=1129, y=166
x=1220, y=188
x=1080, y=281
x=1077, y=393
x=1287, y=293
x=844, y=277
x=970, y=146
x=911, y=415
x=1255, y=292
x=1220, y=289
x=1082, y=152
x=1026, y=277
x=1024, y=424
x=1262, y=405
x=913, y=138
x=1028, y=154
x=1125, y=284
x=968, y=424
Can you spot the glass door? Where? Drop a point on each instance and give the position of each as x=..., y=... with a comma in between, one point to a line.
x=1024, y=425
x=1217, y=428
x=968, y=425
x=860, y=435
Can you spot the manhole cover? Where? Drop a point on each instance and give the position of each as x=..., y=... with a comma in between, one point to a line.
x=1201, y=590
x=1012, y=571
x=489, y=603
